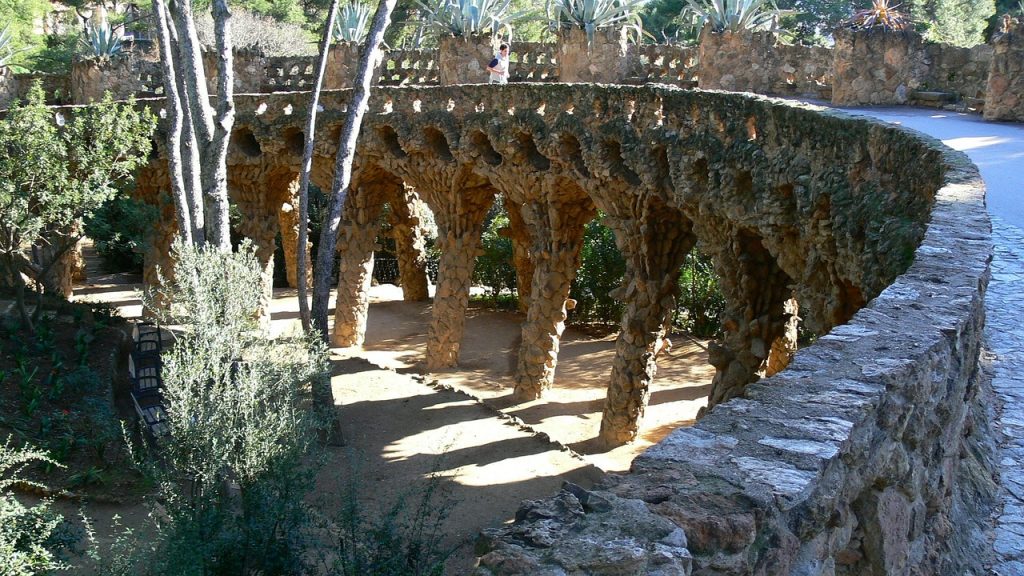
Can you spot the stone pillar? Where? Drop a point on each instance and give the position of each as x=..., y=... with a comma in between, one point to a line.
x=1004, y=97
x=257, y=196
x=759, y=312
x=873, y=67
x=464, y=60
x=410, y=244
x=608, y=59
x=737, y=61
x=460, y=225
x=522, y=246
x=342, y=62
x=357, y=241
x=288, y=223
x=654, y=248
x=559, y=229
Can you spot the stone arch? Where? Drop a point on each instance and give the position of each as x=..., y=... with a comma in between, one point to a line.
x=244, y=142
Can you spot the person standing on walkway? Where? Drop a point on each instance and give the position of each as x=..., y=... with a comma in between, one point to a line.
x=499, y=66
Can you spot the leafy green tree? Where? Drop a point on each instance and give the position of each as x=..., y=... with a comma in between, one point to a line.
x=52, y=177
x=957, y=22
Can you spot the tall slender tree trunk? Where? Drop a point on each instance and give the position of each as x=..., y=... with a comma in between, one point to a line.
x=323, y=271
x=197, y=137
x=307, y=168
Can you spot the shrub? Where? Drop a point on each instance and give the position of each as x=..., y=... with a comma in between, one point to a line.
x=30, y=537
x=118, y=229
x=700, y=303
x=251, y=31
x=241, y=431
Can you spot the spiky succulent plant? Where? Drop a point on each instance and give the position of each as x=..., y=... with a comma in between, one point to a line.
x=736, y=15
x=101, y=41
x=591, y=15
x=471, y=17
x=351, y=23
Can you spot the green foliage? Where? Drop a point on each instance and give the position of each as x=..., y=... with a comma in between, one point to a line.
x=494, y=267
x=592, y=15
x=351, y=25
x=700, y=302
x=101, y=41
x=29, y=536
x=52, y=177
x=239, y=455
x=957, y=22
x=601, y=271
x=119, y=228
x=470, y=17
x=736, y=15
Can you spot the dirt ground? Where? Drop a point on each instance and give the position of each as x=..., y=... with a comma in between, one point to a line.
x=401, y=426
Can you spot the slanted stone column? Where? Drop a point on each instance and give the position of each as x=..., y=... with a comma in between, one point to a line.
x=558, y=228
x=654, y=247
x=288, y=223
x=410, y=243
x=759, y=312
x=522, y=261
x=460, y=225
x=251, y=192
x=356, y=243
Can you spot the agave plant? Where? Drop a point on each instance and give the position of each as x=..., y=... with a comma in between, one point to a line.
x=7, y=50
x=882, y=14
x=736, y=15
x=590, y=15
x=101, y=41
x=471, y=17
x=351, y=23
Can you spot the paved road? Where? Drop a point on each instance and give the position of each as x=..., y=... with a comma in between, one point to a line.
x=998, y=150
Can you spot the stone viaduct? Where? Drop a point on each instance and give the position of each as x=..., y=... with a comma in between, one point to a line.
x=804, y=213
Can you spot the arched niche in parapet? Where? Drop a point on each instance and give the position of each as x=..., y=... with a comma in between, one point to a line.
x=294, y=141
x=527, y=149
x=244, y=142
x=479, y=145
x=388, y=139
x=570, y=153
x=438, y=144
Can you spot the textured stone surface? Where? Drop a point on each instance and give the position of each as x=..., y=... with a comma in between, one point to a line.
x=606, y=59
x=877, y=66
x=1004, y=99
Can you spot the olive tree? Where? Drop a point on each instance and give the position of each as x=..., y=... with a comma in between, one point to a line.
x=56, y=170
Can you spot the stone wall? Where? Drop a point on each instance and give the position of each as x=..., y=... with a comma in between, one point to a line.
x=758, y=62
x=962, y=72
x=607, y=59
x=1005, y=97
x=464, y=60
x=401, y=67
x=667, y=64
x=533, y=62
x=8, y=87
x=128, y=75
x=876, y=67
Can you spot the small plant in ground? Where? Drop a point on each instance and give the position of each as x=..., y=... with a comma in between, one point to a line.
x=403, y=540
x=592, y=15
x=883, y=14
x=737, y=15
x=352, y=20
x=494, y=267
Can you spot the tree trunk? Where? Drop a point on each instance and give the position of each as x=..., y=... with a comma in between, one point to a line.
x=307, y=167
x=343, y=165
